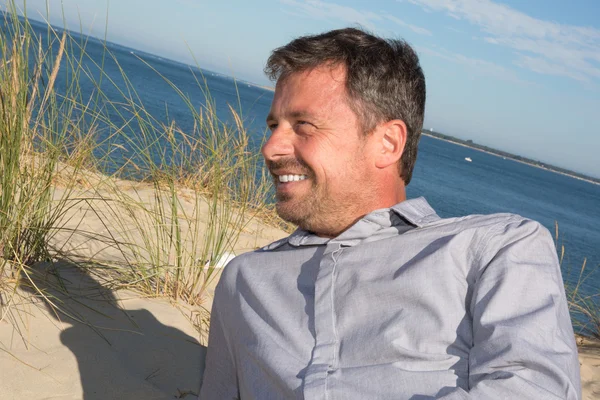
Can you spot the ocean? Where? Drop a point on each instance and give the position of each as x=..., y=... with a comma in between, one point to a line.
x=452, y=185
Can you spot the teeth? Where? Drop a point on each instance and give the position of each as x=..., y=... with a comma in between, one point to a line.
x=291, y=178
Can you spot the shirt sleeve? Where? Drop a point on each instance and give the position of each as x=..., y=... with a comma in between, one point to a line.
x=523, y=343
x=220, y=379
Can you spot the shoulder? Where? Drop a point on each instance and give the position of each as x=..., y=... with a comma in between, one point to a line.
x=482, y=222
x=493, y=229
x=510, y=242
x=485, y=229
x=511, y=232
x=485, y=237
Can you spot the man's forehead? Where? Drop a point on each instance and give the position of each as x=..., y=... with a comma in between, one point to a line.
x=310, y=92
x=334, y=73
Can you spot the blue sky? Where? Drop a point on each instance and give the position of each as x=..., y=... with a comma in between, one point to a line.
x=522, y=76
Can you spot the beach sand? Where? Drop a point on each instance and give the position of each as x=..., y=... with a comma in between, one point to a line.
x=589, y=360
x=118, y=344
x=106, y=345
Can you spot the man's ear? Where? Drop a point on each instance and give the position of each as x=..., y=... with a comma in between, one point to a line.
x=391, y=137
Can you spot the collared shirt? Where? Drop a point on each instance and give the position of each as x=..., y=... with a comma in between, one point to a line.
x=402, y=305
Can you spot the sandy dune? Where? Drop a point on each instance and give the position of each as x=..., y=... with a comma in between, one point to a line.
x=110, y=346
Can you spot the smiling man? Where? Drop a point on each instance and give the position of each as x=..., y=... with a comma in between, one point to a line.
x=322, y=160
x=375, y=296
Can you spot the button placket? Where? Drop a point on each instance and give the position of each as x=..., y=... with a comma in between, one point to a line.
x=324, y=356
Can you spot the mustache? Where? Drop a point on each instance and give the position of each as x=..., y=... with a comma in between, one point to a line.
x=289, y=163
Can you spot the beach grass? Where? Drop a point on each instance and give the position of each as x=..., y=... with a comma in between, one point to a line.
x=173, y=207
x=33, y=141
x=583, y=306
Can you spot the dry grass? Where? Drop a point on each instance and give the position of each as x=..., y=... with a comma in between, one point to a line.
x=583, y=307
x=199, y=189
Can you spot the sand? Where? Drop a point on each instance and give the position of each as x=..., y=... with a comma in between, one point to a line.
x=112, y=346
x=589, y=360
x=118, y=344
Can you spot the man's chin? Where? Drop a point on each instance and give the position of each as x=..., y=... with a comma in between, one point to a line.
x=290, y=212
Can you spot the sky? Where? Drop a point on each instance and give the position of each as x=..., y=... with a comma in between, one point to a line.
x=521, y=76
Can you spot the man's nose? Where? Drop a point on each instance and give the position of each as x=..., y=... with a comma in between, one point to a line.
x=278, y=145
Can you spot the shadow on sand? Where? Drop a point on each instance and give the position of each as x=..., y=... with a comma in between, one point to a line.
x=126, y=347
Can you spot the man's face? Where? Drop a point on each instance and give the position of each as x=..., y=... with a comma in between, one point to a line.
x=316, y=152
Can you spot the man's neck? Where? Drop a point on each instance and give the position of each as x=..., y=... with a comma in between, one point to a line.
x=334, y=231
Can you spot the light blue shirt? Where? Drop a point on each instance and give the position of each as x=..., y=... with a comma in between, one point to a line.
x=402, y=305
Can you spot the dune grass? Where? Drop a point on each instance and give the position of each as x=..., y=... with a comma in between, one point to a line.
x=34, y=134
x=583, y=307
x=194, y=193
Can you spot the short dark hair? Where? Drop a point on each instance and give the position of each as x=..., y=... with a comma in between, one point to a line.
x=383, y=78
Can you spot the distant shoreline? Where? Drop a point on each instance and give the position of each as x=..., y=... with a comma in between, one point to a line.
x=460, y=143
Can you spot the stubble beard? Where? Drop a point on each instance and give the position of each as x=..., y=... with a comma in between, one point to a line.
x=315, y=210
x=299, y=210
x=303, y=210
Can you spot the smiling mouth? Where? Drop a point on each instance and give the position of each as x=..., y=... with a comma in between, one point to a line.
x=290, y=178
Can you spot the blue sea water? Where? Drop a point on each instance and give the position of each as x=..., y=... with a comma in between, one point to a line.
x=453, y=186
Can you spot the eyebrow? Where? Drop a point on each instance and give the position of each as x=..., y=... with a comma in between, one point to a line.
x=293, y=114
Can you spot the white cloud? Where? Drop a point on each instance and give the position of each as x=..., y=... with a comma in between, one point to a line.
x=477, y=65
x=543, y=66
x=544, y=47
x=325, y=10
x=414, y=28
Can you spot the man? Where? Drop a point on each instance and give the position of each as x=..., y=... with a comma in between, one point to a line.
x=374, y=296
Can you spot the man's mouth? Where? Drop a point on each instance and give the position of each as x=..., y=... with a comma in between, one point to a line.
x=290, y=178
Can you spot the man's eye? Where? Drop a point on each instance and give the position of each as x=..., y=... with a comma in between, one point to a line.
x=272, y=127
x=303, y=123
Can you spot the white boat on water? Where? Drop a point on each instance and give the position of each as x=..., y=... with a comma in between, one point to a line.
x=468, y=159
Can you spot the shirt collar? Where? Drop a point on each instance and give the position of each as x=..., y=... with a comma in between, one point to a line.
x=416, y=212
